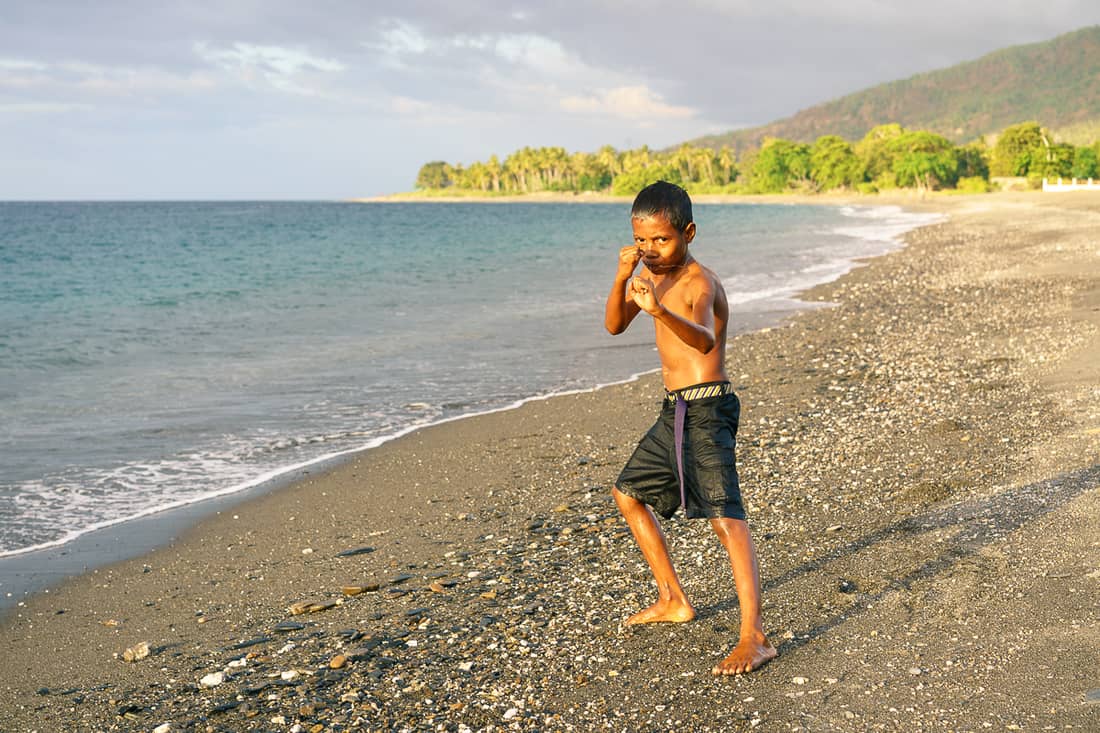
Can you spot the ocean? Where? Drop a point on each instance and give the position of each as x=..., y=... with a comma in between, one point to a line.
x=155, y=355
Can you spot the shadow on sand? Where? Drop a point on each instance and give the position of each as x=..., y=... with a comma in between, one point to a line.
x=980, y=522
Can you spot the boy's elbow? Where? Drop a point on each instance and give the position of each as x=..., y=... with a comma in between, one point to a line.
x=613, y=328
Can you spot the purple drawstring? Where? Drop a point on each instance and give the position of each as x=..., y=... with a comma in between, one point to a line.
x=681, y=412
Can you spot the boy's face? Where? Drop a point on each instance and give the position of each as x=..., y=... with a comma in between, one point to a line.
x=663, y=247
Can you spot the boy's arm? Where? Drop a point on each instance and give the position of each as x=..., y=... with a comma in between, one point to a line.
x=621, y=308
x=698, y=331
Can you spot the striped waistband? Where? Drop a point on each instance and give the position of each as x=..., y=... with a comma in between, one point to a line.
x=715, y=389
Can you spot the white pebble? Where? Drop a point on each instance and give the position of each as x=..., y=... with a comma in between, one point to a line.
x=511, y=713
x=163, y=728
x=800, y=680
x=289, y=675
x=213, y=679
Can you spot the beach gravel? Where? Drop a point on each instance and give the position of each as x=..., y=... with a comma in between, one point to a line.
x=919, y=456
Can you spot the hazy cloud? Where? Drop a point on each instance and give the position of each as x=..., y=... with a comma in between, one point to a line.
x=634, y=103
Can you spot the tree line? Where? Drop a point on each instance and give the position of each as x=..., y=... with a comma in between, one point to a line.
x=887, y=157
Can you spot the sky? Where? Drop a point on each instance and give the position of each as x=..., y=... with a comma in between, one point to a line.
x=329, y=99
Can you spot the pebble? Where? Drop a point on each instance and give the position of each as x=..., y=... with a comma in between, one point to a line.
x=136, y=653
x=213, y=679
x=355, y=551
x=297, y=609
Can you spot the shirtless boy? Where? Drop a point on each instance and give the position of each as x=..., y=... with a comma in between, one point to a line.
x=687, y=457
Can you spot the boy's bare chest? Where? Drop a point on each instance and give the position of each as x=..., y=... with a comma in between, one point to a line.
x=674, y=295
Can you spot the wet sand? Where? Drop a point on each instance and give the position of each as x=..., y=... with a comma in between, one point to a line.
x=921, y=464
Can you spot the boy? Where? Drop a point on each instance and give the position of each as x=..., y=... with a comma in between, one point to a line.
x=686, y=459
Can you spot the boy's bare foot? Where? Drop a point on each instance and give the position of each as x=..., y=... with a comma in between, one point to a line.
x=676, y=612
x=749, y=654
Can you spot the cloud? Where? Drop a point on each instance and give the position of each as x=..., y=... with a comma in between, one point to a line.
x=38, y=108
x=410, y=80
x=401, y=39
x=272, y=61
x=636, y=103
x=21, y=65
x=535, y=52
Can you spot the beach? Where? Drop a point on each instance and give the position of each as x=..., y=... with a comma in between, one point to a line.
x=920, y=459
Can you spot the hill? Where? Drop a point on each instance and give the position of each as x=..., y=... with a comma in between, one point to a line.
x=1056, y=82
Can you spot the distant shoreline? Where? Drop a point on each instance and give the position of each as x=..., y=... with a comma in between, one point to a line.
x=899, y=197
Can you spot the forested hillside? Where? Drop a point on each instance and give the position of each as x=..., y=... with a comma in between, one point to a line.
x=1028, y=112
x=1057, y=81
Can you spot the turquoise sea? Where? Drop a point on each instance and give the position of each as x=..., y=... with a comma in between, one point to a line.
x=159, y=354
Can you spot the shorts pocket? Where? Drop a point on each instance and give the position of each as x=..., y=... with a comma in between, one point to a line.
x=714, y=450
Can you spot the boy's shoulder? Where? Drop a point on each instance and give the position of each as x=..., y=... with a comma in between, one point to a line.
x=703, y=274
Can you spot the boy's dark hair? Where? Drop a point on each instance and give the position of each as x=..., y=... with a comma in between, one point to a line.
x=665, y=199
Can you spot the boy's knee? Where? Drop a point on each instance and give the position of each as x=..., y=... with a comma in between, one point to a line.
x=624, y=500
x=729, y=526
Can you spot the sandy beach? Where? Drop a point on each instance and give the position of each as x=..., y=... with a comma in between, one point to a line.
x=920, y=459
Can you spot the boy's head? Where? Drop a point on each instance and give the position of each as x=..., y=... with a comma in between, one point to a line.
x=664, y=199
x=663, y=229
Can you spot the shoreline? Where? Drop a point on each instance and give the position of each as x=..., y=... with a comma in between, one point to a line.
x=41, y=567
x=837, y=198
x=921, y=468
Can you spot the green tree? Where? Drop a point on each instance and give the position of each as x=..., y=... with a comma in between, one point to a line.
x=924, y=160
x=973, y=160
x=833, y=163
x=474, y=178
x=638, y=159
x=779, y=165
x=874, y=153
x=1059, y=161
x=637, y=178
x=495, y=171
x=1018, y=149
x=589, y=173
x=436, y=174
x=727, y=166
x=520, y=165
x=683, y=158
x=1086, y=164
x=610, y=159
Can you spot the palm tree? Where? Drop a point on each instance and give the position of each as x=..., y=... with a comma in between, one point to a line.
x=494, y=170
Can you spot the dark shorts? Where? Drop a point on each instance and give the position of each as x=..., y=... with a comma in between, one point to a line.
x=711, y=487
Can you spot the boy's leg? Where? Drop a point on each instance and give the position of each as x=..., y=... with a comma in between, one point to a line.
x=672, y=604
x=753, y=648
